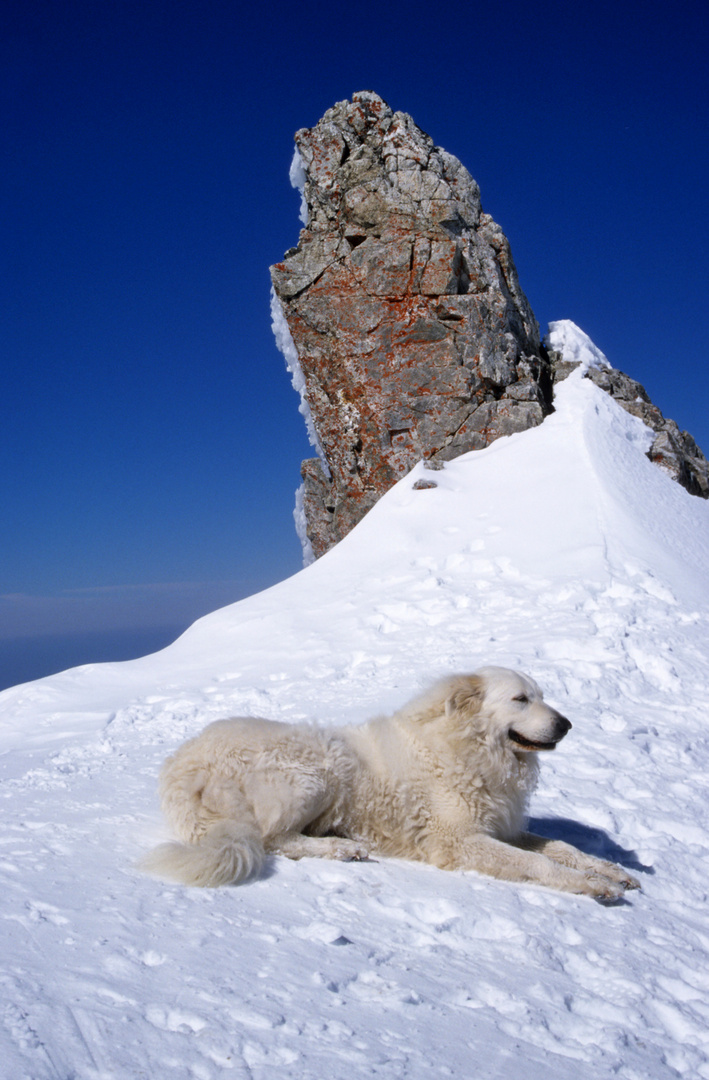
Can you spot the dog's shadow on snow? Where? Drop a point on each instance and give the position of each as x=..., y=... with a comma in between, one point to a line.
x=590, y=840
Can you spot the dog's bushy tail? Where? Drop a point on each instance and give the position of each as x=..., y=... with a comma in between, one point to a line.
x=227, y=853
x=222, y=843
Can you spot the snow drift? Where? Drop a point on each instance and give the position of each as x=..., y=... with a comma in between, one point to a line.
x=561, y=551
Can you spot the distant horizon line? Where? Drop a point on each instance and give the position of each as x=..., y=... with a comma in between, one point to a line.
x=29, y=657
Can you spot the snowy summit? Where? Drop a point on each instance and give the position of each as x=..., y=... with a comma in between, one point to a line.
x=560, y=551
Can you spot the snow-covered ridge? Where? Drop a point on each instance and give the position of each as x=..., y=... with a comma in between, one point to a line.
x=561, y=551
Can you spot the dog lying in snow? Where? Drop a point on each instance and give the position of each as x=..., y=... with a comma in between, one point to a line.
x=445, y=781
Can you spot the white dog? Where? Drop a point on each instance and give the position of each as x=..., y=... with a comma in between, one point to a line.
x=445, y=781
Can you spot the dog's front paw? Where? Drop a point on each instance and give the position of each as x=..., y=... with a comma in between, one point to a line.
x=601, y=887
x=620, y=875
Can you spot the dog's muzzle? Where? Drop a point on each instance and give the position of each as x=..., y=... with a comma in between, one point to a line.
x=560, y=728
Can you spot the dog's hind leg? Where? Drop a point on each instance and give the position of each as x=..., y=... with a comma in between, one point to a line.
x=297, y=846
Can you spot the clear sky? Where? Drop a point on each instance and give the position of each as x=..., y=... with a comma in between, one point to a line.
x=150, y=440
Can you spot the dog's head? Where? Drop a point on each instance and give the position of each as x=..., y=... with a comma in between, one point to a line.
x=508, y=704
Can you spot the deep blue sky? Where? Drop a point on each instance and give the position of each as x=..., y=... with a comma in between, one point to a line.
x=150, y=440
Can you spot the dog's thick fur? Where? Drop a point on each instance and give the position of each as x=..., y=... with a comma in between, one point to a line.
x=445, y=781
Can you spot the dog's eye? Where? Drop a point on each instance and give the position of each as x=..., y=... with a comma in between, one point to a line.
x=521, y=698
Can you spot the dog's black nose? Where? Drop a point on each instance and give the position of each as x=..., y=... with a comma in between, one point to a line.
x=563, y=725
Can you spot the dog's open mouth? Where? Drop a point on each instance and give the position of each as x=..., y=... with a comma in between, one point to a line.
x=528, y=744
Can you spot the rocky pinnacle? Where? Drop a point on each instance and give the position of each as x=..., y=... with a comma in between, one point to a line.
x=413, y=336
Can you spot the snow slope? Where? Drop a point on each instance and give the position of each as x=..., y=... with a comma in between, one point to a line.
x=561, y=551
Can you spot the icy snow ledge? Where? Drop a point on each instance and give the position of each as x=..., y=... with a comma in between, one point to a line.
x=296, y=175
x=575, y=347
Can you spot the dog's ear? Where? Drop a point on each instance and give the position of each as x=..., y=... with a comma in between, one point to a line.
x=466, y=699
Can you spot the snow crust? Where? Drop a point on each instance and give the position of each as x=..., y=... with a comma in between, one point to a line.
x=286, y=346
x=575, y=346
x=301, y=526
x=561, y=551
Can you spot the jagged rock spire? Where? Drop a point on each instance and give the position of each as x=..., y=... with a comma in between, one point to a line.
x=412, y=334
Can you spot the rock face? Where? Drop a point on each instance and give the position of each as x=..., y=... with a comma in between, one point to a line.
x=413, y=337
